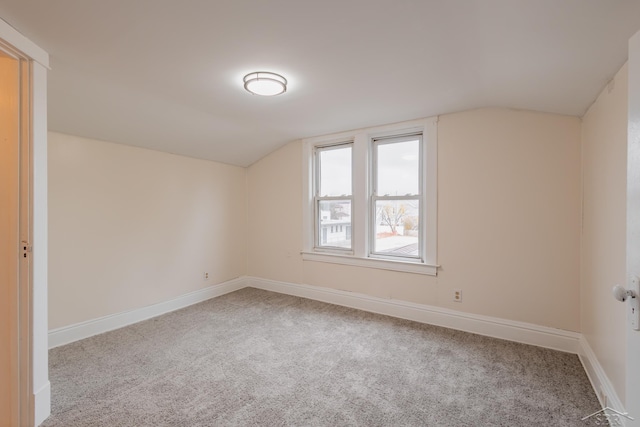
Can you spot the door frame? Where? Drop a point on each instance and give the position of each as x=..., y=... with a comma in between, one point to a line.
x=35, y=389
x=25, y=222
x=21, y=401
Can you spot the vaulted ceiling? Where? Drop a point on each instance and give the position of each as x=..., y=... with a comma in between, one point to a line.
x=167, y=74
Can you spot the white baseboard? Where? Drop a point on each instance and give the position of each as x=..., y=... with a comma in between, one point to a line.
x=510, y=330
x=522, y=332
x=69, y=334
x=599, y=380
x=42, y=403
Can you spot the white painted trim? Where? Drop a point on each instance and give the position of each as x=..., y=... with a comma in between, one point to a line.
x=632, y=351
x=598, y=378
x=69, y=334
x=388, y=129
x=378, y=263
x=510, y=330
x=39, y=243
x=23, y=44
x=361, y=198
x=431, y=192
x=42, y=399
x=522, y=332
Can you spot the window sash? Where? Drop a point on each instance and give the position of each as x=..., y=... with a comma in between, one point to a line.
x=373, y=250
x=374, y=198
x=317, y=199
x=318, y=245
x=376, y=142
x=317, y=167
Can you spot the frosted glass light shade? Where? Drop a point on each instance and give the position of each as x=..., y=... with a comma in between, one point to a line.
x=265, y=84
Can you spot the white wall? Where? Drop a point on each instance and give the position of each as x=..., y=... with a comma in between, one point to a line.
x=275, y=215
x=604, y=158
x=508, y=221
x=130, y=227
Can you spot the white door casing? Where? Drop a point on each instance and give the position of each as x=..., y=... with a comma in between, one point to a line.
x=35, y=306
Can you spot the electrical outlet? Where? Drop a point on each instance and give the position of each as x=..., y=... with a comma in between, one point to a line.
x=205, y=276
x=457, y=295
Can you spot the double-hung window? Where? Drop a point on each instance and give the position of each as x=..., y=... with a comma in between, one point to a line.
x=396, y=199
x=370, y=197
x=333, y=200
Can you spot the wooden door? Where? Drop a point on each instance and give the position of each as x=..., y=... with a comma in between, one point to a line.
x=15, y=233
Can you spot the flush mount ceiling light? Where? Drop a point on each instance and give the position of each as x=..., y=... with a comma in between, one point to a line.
x=265, y=83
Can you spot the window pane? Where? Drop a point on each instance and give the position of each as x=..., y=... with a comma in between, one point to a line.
x=398, y=168
x=396, y=228
x=335, y=223
x=335, y=172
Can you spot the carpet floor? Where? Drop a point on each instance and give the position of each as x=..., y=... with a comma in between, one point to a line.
x=253, y=357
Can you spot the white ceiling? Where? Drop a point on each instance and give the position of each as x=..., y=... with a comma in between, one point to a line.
x=167, y=74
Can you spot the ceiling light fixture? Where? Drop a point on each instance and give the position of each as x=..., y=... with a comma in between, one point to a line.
x=265, y=84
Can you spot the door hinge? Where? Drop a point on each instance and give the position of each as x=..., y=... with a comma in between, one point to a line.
x=26, y=248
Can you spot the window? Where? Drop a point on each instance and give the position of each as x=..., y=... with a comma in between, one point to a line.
x=396, y=197
x=333, y=196
x=370, y=197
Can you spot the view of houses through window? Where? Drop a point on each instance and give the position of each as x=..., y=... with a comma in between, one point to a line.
x=334, y=196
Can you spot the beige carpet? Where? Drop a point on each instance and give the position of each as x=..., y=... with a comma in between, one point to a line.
x=259, y=358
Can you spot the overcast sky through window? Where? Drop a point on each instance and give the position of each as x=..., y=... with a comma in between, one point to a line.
x=398, y=169
x=335, y=172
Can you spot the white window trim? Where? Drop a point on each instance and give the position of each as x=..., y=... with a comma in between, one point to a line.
x=360, y=213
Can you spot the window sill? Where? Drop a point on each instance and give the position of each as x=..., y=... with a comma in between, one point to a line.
x=381, y=264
